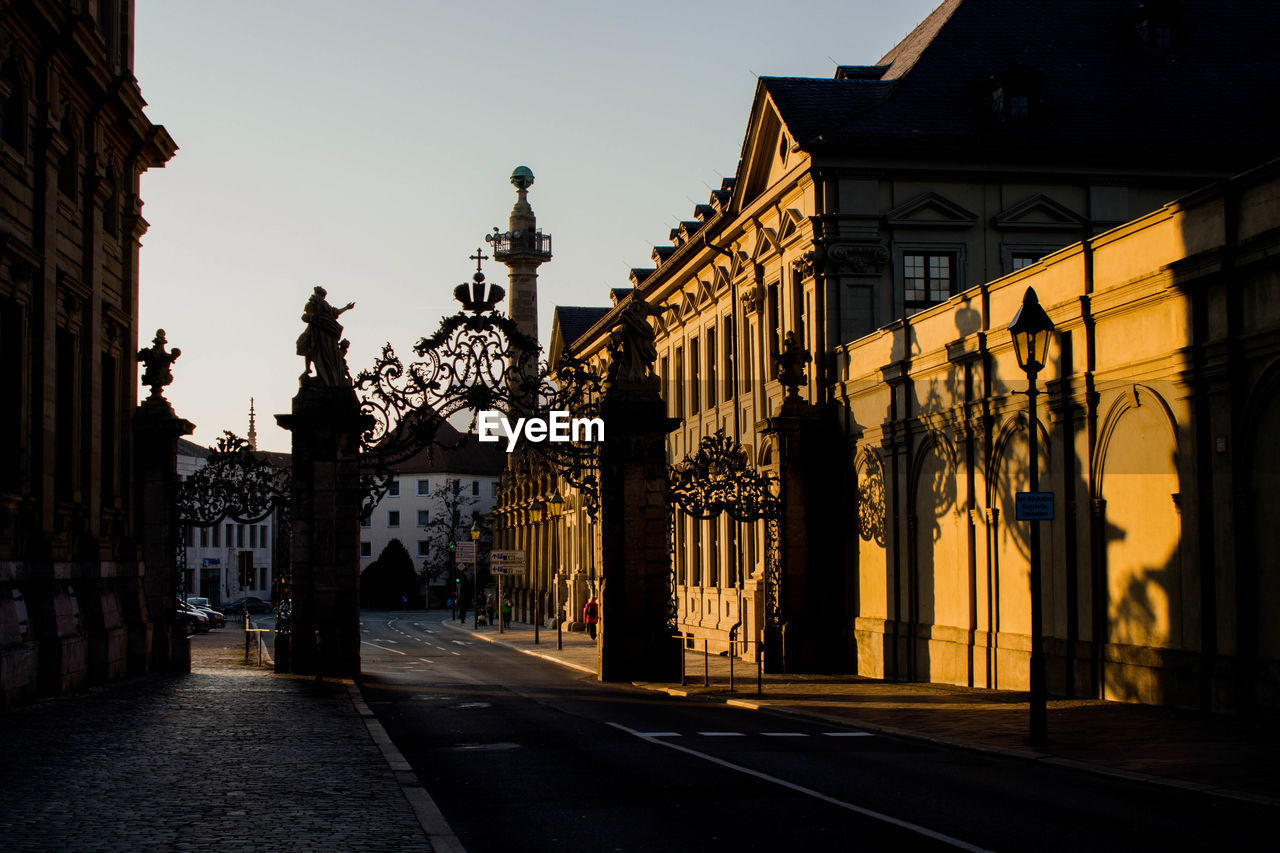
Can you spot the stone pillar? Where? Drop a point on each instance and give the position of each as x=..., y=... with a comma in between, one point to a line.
x=635, y=642
x=326, y=424
x=156, y=430
x=814, y=634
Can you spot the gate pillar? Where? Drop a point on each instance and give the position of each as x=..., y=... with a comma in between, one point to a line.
x=810, y=630
x=635, y=641
x=156, y=430
x=326, y=424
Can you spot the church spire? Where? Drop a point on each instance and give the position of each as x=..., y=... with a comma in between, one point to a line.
x=253, y=428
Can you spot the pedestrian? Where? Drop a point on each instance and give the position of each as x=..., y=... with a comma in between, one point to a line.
x=506, y=611
x=591, y=615
x=489, y=609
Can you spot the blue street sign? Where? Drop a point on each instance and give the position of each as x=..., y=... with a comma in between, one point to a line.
x=1034, y=506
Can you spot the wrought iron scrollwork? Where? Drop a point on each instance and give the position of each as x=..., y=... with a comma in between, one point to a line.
x=235, y=482
x=475, y=362
x=718, y=478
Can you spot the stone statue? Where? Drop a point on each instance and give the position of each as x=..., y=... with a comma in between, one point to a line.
x=632, y=350
x=321, y=344
x=791, y=363
x=156, y=364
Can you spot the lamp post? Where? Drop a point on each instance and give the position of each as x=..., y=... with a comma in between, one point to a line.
x=1032, y=331
x=555, y=508
x=475, y=574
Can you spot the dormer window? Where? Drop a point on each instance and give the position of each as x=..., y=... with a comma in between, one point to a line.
x=1014, y=96
x=1158, y=26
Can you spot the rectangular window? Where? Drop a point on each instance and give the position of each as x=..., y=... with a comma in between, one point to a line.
x=664, y=375
x=424, y=547
x=774, y=328
x=239, y=535
x=713, y=552
x=678, y=394
x=204, y=537
x=1022, y=260
x=475, y=487
x=748, y=365
x=424, y=517
x=253, y=536
x=65, y=408
x=424, y=487
x=797, y=307
x=366, y=522
x=393, y=518
x=393, y=488
x=263, y=541
x=695, y=375
x=366, y=549
x=730, y=371
x=712, y=390
x=927, y=280
x=217, y=536
x=191, y=536
x=231, y=534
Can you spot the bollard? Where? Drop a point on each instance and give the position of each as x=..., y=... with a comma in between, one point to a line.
x=247, y=626
x=759, y=668
x=683, y=674
x=706, y=664
x=732, y=650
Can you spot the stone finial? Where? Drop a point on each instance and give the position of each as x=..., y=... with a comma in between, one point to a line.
x=157, y=364
x=791, y=363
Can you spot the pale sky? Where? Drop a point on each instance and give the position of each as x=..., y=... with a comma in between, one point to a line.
x=367, y=147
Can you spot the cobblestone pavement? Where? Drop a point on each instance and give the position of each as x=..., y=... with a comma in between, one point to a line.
x=1216, y=754
x=228, y=758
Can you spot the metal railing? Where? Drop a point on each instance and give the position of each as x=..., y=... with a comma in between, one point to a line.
x=751, y=649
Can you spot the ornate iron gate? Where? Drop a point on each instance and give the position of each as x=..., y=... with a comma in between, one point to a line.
x=719, y=479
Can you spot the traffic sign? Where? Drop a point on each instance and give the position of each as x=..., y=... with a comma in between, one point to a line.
x=1034, y=506
x=465, y=552
x=506, y=562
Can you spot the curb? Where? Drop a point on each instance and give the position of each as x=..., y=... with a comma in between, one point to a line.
x=1004, y=752
x=530, y=652
x=434, y=826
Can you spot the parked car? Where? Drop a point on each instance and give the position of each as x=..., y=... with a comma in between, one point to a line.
x=192, y=619
x=255, y=605
x=216, y=618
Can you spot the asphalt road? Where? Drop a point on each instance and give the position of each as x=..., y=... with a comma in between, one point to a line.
x=523, y=754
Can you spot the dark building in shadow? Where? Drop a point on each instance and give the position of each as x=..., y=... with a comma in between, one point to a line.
x=73, y=143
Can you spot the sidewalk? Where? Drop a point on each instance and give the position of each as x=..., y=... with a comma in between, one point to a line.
x=230, y=757
x=1214, y=754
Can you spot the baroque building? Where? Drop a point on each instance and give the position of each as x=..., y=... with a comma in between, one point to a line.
x=73, y=143
x=888, y=221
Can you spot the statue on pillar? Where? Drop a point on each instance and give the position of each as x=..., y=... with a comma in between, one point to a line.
x=321, y=344
x=632, y=343
x=791, y=363
x=156, y=367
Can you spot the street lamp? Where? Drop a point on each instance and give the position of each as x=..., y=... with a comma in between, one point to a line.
x=1032, y=330
x=475, y=573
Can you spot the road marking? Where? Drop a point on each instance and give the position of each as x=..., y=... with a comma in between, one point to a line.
x=658, y=734
x=424, y=660
x=459, y=654
x=920, y=830
x=721, y=734
x=849, y=734
x=384, y=648
x=784, y=734
x=459, y=643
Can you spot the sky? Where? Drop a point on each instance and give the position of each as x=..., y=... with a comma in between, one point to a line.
x=371, y=152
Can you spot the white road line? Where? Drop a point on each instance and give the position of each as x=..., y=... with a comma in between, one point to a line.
x=424, y=660
x=384, y=648
x=849, y=734
x=721, y=734
x=459, y=654
x=658, y=734
x=784, y=734
x=920, y=830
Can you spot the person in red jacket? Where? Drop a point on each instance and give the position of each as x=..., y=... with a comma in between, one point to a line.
x=591, y=615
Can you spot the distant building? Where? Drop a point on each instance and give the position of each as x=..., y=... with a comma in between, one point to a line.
x=218, y=556
x=73, y=143
x=433, y=499
x=872, y=217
